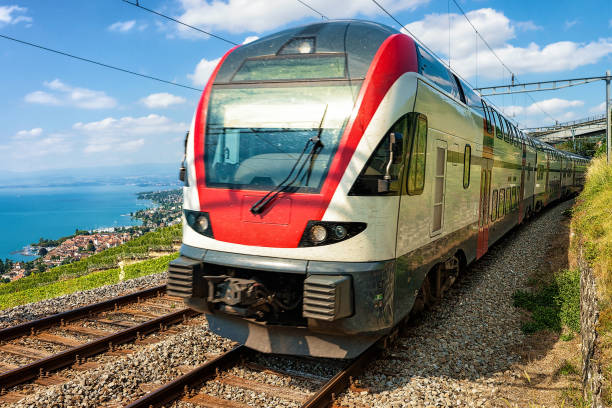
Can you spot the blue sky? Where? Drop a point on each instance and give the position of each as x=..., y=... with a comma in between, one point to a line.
x=60, y=113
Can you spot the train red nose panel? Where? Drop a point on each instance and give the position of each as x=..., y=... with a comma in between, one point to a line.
x=279, y=213
x=283, y=222
x=281, y=225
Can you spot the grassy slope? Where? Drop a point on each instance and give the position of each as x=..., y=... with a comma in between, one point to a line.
x=89, y=281
x=96, y=270
x=592, y=225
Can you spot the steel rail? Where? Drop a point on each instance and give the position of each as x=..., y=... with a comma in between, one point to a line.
x=339, y=382
x=74, y=314
x=104, y=344
x=322, y=398
x=197, y=376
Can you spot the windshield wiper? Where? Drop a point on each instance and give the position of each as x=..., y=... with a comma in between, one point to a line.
x=284, y=185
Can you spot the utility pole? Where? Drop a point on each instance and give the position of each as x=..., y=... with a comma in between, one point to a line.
x=574, y=139
x=608, y=144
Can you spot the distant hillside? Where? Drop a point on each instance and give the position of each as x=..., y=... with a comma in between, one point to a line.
x=97, y=270
x=145, y=174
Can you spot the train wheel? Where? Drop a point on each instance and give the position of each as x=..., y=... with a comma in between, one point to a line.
x=424, y=298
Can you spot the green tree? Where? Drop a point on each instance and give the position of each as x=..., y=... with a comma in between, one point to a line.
x=90, y=246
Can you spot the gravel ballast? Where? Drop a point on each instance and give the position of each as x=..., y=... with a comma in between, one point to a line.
x=460, y=350
x=37, y=310
x=456, y=354
x=121, y=380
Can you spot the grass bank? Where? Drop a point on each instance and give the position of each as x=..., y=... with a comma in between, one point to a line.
x=553, y=306
x=96, y=270
x=592, y=226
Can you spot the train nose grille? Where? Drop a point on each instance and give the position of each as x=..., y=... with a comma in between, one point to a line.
x=327, y=297
x=181, y=273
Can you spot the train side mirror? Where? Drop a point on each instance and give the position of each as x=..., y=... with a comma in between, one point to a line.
x=395, y=157
x=183, y=169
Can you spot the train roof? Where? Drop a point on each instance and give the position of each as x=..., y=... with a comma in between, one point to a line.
x=359, y=40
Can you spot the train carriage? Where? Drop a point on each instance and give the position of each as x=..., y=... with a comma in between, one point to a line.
x=338, y=176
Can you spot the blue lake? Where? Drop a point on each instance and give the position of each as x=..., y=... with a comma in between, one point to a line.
x=27, y=214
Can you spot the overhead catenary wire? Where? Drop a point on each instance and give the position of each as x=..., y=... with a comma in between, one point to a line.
x=102, y=64
x=499, y=58
x=323, y=16
x=180, y=22
x=423, y=45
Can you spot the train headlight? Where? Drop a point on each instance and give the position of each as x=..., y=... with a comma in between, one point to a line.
x=340, y=232
x=202, y=223
x=199, y=221
x=329, y=232
x=318, y=233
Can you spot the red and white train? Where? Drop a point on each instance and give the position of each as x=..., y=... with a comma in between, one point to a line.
x=337, y=176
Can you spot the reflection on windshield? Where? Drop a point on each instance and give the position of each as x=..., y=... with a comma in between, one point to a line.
x=255, y=135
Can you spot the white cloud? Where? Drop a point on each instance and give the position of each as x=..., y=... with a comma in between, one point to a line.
x=144, y=125
x=66, y=95
x=131, y=145
x=42, y=98
x=469, y=54
x=527, y=26
x=601, y=108
x=570, y=23
x=162, y=100
x=203, y=71
x=262, y=15
x=122, y=26
x=433, y=31
x=7, y=15
x=55, y=144
x=250, y=39
x=126, y=133
x=551, y=106
x=26, y=134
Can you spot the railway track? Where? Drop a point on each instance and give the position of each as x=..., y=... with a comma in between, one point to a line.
x=241, y=371
x=36, y=349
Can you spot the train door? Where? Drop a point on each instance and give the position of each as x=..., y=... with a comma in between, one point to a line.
x=437, y=220
x=483, y=211
x=522, y=188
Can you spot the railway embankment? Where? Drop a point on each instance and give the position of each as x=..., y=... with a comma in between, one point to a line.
x=592, y=249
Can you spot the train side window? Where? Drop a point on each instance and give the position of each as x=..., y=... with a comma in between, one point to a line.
x=437, y=73
x=498, y=130
x=508, y=200
x=515, y=197
x=460, y=89
x=467, y=161
x=487, y=115
x=528, y=171
x=416, y=166
x=504, y=126
x=494, y=206
x=502, y=202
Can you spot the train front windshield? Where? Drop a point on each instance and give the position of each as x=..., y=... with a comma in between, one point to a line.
x=256, y=131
